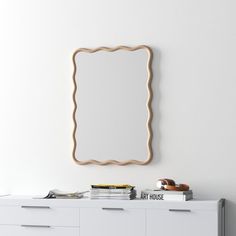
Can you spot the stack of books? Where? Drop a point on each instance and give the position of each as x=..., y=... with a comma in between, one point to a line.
x=113, y=192
x=164, y=195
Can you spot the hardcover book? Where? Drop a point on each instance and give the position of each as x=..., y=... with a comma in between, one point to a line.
x=161, y=195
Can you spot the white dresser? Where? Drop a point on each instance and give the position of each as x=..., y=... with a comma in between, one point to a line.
x=24, y=216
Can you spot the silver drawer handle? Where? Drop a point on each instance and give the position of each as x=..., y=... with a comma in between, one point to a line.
x=36, y=207
x=36, y=226
x=180, y=210
x=113, y=209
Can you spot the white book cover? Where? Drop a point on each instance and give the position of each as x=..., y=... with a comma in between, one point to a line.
x=166, y=197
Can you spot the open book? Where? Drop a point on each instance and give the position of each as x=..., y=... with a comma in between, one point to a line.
x=55, y=193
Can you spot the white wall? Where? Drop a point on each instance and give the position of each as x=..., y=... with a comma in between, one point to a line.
x=194, y=87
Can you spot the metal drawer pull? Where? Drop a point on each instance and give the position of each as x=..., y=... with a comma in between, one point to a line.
x=36, y=226
x=36, y=207
x=113, y=209
x=180, y=210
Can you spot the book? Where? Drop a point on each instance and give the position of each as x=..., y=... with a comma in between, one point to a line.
x=155, y=191
x=112, y=198
x=110, y=194
x=55, y=193
x=112, y=186
x=111, y=191
x=161, y=195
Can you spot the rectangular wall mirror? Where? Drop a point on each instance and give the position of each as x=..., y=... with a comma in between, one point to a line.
x=112, y=105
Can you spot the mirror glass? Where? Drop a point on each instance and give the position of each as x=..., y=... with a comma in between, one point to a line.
x=111, y=106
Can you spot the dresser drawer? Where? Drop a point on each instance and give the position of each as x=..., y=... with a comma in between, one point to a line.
x=112, y=221
x=39, y=215
x=6, y=230
x=178, y=221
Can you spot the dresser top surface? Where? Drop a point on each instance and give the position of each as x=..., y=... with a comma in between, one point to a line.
x=16, y=200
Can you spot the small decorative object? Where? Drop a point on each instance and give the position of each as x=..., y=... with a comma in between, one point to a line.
x=169, y=184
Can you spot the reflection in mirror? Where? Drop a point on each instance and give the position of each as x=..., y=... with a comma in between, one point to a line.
x=112, y=97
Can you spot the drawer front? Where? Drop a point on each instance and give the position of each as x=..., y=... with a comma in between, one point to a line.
x=181, y=222
x=36, y=231
x=39, y=215
x=112, y=221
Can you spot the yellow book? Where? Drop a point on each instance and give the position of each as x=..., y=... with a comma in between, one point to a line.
x=115, y=186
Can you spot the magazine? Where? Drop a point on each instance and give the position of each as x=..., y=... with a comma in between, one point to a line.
x=55, y=193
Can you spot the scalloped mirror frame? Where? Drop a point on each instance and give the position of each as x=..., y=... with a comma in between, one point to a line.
x=148, y=105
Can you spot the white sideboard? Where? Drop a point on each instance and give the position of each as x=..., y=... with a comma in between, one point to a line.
x=25, y=216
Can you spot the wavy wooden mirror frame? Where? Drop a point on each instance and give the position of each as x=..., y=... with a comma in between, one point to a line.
x=148, y=106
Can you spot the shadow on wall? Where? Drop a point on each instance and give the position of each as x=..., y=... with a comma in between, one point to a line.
x=155, y=106
x=230, y=218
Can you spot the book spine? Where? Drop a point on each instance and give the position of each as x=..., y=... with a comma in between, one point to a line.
x=112, y=188
x=168, y=192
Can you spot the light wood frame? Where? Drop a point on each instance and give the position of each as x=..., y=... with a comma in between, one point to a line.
x=148, y=105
